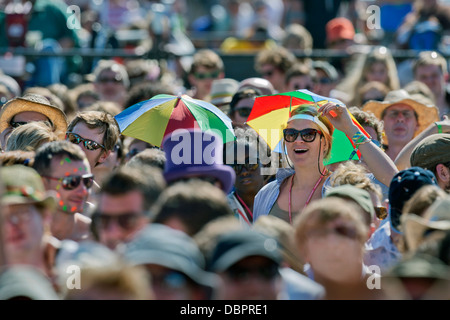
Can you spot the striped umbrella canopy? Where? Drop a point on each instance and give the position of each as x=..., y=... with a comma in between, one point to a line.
x=153, y=119
x=270, y=114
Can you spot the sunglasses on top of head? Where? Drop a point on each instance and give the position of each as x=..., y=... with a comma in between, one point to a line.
x=307, y=135
x=88, y=144
x=72, y=182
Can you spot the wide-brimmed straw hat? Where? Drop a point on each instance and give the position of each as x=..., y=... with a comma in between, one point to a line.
x=427, y=113
x=35, y=103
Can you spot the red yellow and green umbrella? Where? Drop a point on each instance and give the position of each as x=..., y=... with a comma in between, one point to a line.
x=153, y=119
x=270, y=114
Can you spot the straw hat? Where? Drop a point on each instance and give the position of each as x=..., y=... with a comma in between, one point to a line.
x=36, y=103
x=222, y=90
x=427, y=113
x=419, y=229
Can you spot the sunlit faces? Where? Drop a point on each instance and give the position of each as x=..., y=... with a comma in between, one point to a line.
x=29, y=116
x=121, y=217
x=248, y=172
x=400, y=123
x=110, y=86
x=322, y=83
x=74, y=200
x=432, y=76
x=299, y=82
x=94, y=156
x=242, y=110
x=274, y=75
x=203, y=79
x=302, y=152
x=23, y=228
x=334, y=250
x=378, y=72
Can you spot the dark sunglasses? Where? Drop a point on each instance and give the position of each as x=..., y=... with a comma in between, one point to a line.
x=308, y=135
x=244, y=112
x=72, y=182
x=249, y=167
x=343, y=231
x=264, y=272
x=16, y=124
x=126, y=221
x=110, y=80
x=88, y=144
x=381, y=212
x=207, y=75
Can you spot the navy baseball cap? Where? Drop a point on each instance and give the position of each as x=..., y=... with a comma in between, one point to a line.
x=403, y=186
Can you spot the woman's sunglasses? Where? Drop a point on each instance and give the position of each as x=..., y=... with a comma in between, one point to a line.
x=308, y=135
x=88, y=144
x=72, y=182
x=249, y=167
x=244, y=112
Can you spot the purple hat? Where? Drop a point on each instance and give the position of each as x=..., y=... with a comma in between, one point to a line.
x=192, y=152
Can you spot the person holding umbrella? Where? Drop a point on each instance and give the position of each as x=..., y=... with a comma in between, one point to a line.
x=307, y=142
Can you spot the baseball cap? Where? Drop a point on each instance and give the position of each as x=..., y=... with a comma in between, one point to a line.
x=237, y=245
x=402, y=187
x=25, y=282
x=161, y=245
x=431, y=151
x=360, y=196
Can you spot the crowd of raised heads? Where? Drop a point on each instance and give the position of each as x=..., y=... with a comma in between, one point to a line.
x=240, y=150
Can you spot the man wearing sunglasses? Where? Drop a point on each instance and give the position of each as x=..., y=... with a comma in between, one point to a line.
x=96, y=133
x=65, y=169
x=124, y=203
x=206, y=67
x=241, y=105
x=111, y=81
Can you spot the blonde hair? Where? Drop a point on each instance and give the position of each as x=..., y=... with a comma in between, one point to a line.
x=30, y=136
x=354, y=174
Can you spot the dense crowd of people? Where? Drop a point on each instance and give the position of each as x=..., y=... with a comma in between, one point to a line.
x=90, y=211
